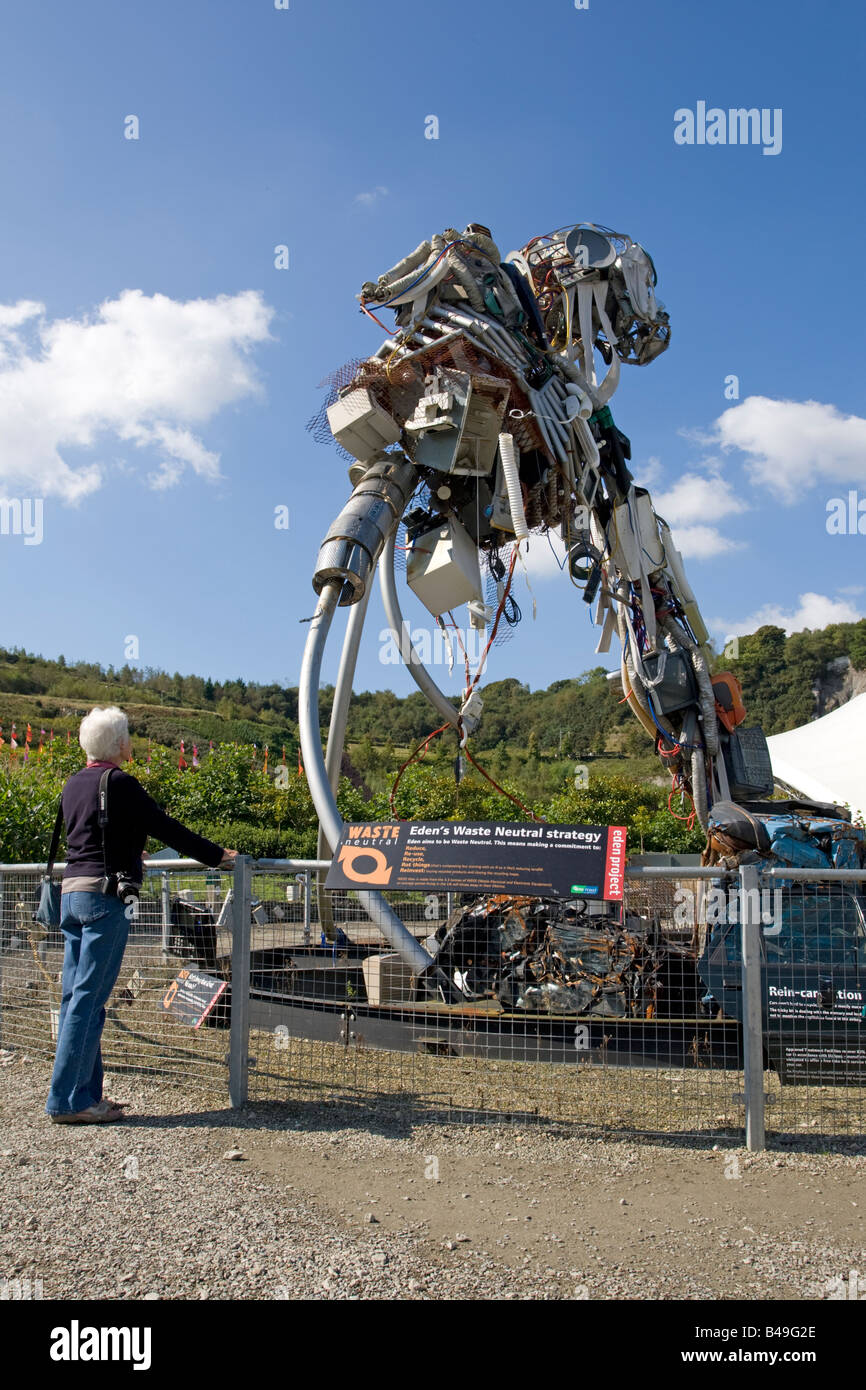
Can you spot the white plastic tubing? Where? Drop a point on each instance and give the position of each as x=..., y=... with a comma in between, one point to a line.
x=508, y=455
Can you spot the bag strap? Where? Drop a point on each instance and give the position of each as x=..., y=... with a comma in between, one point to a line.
x=55, y=840
x=103, y=815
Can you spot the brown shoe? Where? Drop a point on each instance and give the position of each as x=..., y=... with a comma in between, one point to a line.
x=103, y=1113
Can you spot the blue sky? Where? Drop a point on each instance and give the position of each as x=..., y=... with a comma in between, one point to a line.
x=162, y=434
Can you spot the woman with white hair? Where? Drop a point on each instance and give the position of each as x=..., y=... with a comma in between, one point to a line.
x=93, y=918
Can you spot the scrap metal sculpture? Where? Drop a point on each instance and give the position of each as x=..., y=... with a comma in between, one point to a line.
x=483, y=419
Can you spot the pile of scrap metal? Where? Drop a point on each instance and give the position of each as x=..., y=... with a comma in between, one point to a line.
x=798, y=834
x=548, y=956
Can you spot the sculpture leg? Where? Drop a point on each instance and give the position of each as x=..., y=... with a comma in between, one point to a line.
x=337, y=737
x=374, y=904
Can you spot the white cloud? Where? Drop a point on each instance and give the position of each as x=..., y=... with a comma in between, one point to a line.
x=702, y=542
x=182, y=448
x=13, y=315
x=647, y=473
x=371, y=196
x=812, y=611
x=544, y=558
x=686, y=507
x=694, y=498
x=141, y=368
x=794, y=445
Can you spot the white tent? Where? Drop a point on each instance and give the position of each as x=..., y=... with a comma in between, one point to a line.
x=826, y=760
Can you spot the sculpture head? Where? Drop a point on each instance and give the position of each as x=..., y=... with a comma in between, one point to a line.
x=590, y=281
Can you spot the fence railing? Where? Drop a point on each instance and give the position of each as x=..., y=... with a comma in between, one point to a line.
x=711, y=1003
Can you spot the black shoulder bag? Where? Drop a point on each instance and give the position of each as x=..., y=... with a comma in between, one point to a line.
x=117, y=884
x=48, y=907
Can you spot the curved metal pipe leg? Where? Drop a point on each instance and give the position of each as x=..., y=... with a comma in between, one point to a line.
x=417, y=670
x=337, y=733
x=377, y=909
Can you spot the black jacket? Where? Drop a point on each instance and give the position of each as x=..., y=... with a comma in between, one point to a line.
x=132, y=817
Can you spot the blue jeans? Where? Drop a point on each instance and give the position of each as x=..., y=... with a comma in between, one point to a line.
x=95, y=927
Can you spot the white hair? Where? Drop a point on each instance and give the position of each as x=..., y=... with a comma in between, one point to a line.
x=104, y=733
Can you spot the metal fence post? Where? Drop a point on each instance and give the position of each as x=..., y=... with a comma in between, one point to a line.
x=239, y=1047
x=165, y=899
x=2, y=948
x=307, y=880
x=753, y=1007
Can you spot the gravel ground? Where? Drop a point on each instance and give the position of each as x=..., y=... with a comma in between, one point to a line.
x=648, y=1098
x=335, y=1200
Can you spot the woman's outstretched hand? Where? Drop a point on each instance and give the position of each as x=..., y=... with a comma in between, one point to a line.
x=228, y=859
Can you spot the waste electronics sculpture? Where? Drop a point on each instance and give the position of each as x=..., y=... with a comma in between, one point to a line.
x=486, y=418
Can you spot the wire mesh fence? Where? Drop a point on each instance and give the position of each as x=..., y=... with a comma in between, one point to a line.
x=594, y=1018
x=178, y=922
x=814, y=997
x=631, y=1018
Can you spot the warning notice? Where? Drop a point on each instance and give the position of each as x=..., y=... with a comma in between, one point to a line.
x=814, y=1030
x=840, y=1061
x=828, y=1005
x=546, y=861
x=191, y=996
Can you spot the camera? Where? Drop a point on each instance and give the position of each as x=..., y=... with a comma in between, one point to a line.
x=122, y=886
